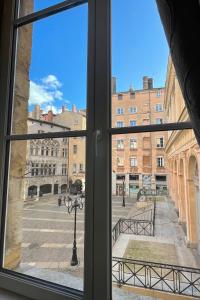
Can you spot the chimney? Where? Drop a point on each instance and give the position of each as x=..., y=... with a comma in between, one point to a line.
x=50, y=116
x=145, y=83
x=114, y=85
x=150, y=83
x=37, y=112
x=63, y=108
x=74, y=108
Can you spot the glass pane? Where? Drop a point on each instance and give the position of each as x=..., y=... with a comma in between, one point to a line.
x=27, y=7
x=155, y=213
x=45, y=210
x=145, y=89
x=51, y=63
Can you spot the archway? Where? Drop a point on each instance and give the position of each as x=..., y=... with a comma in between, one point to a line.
x=63, y=188
x=193, y=202
x=45, y=189
x=32, y=190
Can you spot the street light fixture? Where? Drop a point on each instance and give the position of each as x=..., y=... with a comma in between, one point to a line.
x=123, y=193
x=74, y=204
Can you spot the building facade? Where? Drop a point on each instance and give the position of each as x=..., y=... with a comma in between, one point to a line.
x=183, y=154
x=47, y=161
x=76, y=120
x=138, y=160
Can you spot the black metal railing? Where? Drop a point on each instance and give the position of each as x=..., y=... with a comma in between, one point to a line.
x=139, y=224
x=156, y=276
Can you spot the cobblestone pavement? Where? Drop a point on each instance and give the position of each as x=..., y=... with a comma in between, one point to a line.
x=48, y=236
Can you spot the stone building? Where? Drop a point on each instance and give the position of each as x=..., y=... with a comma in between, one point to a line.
x=138, y=159
x=76, y=120
x=47, y=161
x=183, y=154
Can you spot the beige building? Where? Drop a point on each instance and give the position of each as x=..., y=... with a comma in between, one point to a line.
x=183, y=154
x=138, y=159
x=76, y=120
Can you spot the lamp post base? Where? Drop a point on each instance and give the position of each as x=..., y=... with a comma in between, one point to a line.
x=74, y=260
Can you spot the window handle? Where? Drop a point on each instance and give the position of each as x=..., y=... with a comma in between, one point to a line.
x=97, y=139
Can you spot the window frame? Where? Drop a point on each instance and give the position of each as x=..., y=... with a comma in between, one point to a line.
x=98, y=257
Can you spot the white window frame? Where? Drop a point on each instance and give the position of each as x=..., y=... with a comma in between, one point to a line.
x=133, y=161
x=159, y=107
x=160, y=161
x=119, y=110
x=132, y=109
x=135, y=122
x=158, y=144
x=121, y=124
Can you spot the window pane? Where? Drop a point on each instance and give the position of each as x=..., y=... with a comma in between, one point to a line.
x=27, y=7
x=155, y=213
x=144, y=82
x=43, y=191
x=51, y=61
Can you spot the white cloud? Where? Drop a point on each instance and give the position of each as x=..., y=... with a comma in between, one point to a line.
x=55, y=110
x=52, y=81
x=46, y=91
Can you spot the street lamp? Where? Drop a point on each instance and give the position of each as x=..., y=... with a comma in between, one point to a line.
x=74, y=204
x=123, y=193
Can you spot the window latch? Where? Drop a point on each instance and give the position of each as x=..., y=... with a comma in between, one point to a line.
x=98, y=136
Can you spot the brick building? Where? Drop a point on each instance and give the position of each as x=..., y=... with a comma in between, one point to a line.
x=138, y=159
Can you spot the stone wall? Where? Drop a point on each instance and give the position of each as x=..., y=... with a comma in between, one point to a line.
x=18, y=149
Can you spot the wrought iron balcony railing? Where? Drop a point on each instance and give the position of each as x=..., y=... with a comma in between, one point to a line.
x=156, y=276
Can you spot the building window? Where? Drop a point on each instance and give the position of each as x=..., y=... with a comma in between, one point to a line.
x=65, y=141
x=74, y=168
x=31, y=150
x=159, y=107
x=160, y=161
x=132, y=110
x=41, y=170
x=64, y=169
x=81, y=168
x=159, y=121
x=54, y=169
x=64, y=152
x=133, y=161
x=32, y=169
x=120, y=144
x=75, y=148
x=120, y=124
x=133, y=123
x=160, y=142
x=158, y=94
x=120, y=161
x=120, y=96
x=133, y=143
x=120, y=111
x=132, y=95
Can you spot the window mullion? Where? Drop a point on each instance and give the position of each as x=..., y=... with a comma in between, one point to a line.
x=102, y=184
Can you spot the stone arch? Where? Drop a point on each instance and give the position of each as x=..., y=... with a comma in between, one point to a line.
x=32, y=190
x=64, y=188
x=45, y=189
x=193, y=201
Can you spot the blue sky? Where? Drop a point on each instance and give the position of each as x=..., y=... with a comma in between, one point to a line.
x=58, y=70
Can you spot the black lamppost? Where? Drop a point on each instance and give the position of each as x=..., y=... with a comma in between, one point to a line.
x=123, y=193
x=74, y=204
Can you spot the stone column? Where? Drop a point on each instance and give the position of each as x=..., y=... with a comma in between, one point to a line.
x=18, y=156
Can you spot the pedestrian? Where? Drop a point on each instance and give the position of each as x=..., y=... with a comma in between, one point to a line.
x=59, y=201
